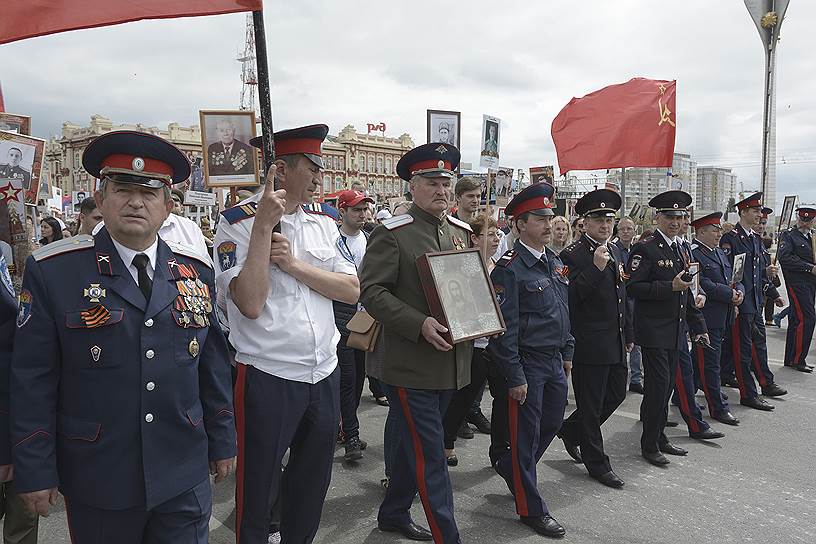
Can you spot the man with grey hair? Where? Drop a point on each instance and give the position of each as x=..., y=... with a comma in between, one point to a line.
x=229, y=156
x=422, y=369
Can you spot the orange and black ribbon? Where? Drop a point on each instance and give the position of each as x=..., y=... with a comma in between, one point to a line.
x=95, y=317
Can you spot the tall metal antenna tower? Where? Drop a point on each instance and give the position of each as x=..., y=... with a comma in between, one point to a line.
x=249, y=74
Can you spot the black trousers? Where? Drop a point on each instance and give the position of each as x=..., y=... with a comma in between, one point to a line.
x=599, y=390
x=272, y=415
x=660, y=369
x=801, y=322
x=352, y=377
x=460, y=404
x=499, y=431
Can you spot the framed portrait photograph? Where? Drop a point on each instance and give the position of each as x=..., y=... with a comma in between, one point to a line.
x=491, y=142
x=18, y=124
x=503, y=180
x=460, y=295
x=21, y=159
x=445, y=127
x=694, y=270
x=229, y=160
x=739, y=268
x=787, y=213
x=542, y=173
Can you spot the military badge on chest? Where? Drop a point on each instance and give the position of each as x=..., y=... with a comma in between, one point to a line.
x=622, y=272
x=193, y=304
x=458, y=243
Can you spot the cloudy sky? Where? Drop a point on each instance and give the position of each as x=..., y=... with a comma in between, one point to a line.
x=371, y=61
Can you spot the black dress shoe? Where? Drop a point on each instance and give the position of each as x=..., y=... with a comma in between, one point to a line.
x=671, y=449
x=452, y=460
x=708, y=434
x=728, y=418
x=411, y=531
x=636, y=388
x=479, y=421
x=802, y=368
x=609, y=479
x=382, y=401
x=656, y=458
x=670, y=423
x=465, y=431
x=572, y=449
x=773, y=390
x=757, y=404
x=544, y=525
x=729, y=381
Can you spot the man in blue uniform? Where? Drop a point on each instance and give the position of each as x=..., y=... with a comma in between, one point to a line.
x=722, y=297
x=19, y=523
x=602, y=328
x=746, y=337
x=531, y=285
x=663, y=307
x=120, y=377
x=797, y=259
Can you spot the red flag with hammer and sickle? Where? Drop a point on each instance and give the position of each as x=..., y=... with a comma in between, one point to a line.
x=629, y=124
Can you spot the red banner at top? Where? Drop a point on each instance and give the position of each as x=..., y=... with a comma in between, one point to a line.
x=22, y=19
x=630, y=124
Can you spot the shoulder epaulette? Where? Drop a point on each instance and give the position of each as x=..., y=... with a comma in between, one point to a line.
x=189, y=251
x=694, y=246
x=240, y=212
x=311, y=211
x=507, y=258
x=647, y=239
x=570, y=248
x=398, y=221
x=459, y=223
x=66, y=245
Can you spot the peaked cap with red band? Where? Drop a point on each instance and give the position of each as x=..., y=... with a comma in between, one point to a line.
x=536, y=199
x=806, y=213
x=710, y=219
x=671, y=203
x=302, y=140
x=753, y=201
x=429, y=160
x=127, y=156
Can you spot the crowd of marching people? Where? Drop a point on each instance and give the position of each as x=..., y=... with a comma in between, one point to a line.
x=168, y=356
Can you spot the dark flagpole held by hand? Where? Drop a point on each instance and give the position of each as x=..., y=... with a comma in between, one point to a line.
x=264, y=95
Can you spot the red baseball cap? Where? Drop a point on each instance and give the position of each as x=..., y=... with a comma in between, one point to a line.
x=347, y=199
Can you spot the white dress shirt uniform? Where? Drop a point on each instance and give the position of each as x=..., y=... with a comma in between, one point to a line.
x=295, y=337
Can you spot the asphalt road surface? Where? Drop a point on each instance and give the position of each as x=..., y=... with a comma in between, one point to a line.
x=755, y=485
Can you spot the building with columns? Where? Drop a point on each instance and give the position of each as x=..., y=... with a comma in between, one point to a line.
x=63, y=154
x=370, y=159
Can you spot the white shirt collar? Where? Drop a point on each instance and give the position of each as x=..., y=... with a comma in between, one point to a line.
x=668, y=240
x=537, y=254
x=127, y=255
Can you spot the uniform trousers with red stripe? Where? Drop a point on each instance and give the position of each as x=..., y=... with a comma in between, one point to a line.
x=745, y=347
x=684, y=390
x=532, y=427
x=182, y=519
x=801, y=321
x=707, y=372
x=420, y=463
x=272, y=415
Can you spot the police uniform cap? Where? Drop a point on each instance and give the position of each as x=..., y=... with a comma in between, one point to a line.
x=536, y=199
x=177, y=193
x=710, y=219
x=671, y=203
x=431, y=160
x=753, y=201
x=806, y=212
x=766, y=212
x=301, y=140
x=126, y=156
x=598, y=203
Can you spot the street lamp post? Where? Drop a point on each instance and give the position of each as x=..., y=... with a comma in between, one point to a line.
x=767, y=16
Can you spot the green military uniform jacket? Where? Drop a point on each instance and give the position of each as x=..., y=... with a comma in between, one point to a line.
x=391, y=291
